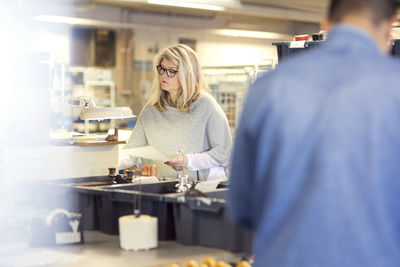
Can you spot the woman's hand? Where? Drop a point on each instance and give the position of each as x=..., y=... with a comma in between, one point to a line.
x=177, y=162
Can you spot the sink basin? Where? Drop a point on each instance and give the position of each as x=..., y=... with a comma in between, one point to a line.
x=219, y=193
x=223, y=185
x=87, y=181
x=92, y=184
x=158, y=188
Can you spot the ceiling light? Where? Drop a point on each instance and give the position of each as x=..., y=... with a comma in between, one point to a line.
x=187, y=4
x=252, y=34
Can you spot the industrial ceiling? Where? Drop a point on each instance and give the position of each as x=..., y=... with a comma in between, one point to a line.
x=293, y=10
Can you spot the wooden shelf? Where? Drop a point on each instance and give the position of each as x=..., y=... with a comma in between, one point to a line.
x=98, y=143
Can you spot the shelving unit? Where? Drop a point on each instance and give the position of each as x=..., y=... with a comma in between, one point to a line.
x=96, y=83
x=229, y=86
x=104, y=92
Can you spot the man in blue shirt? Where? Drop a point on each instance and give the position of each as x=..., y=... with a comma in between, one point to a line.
x=316, y=164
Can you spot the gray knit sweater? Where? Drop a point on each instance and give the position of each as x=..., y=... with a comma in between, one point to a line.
x=203, y=130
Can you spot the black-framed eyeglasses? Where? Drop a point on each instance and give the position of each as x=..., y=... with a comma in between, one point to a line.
x=170, y=72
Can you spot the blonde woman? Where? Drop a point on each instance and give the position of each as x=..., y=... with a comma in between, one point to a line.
x=182, y=115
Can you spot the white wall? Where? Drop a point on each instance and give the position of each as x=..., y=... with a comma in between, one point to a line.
x=215, y=51
x=53, y=40
x=160, y=30
x=212, y=50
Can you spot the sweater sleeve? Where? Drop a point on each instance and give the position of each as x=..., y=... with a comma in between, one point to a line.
x=219, y=136
x=201, y=161
x=138, y=136
x=137, y=139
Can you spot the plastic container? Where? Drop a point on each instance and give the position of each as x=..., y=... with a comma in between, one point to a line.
x=205, y=222
x=303, y=37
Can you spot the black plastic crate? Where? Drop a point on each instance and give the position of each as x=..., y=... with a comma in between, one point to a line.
x=54, y=228
x=64, y=193
x=120, y=200
x=396, y=48
x=87, y=207
x=86, y=194
x=284, y=50
x=205, y=222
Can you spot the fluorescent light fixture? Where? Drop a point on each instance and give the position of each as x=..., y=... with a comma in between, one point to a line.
x=105, y=113
x=89, y=110
x=187, y=4
x=79, y=21
x=252, y=34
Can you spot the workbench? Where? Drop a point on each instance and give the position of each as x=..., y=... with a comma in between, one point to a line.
x=103, y=250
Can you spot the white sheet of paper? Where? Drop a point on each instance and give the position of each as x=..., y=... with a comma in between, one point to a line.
x=147, y=152
x=208, y=185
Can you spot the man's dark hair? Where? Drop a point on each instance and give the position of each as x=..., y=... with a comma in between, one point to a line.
x=381, y=10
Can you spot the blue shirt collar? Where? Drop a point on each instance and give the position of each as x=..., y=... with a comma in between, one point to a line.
x=351, y=36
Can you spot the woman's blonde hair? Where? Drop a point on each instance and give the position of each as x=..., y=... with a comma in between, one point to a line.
x=189, y=75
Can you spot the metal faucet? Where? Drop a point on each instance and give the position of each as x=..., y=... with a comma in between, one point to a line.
x=180, y=153
x=129, y=176
x=184, y=184
x=112, y=174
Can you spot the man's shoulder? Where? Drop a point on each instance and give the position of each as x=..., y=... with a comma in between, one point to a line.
x=387, y=73
x=392, y=64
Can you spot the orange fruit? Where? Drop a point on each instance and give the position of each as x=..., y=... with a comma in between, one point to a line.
x=208, y=262
x=243, y=264
x=191, y=264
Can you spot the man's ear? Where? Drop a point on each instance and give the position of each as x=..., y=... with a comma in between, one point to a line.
x=382, y=34
x=326, y=24
x=390, y=26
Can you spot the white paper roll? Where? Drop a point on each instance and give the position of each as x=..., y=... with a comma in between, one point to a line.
x=138, y=233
